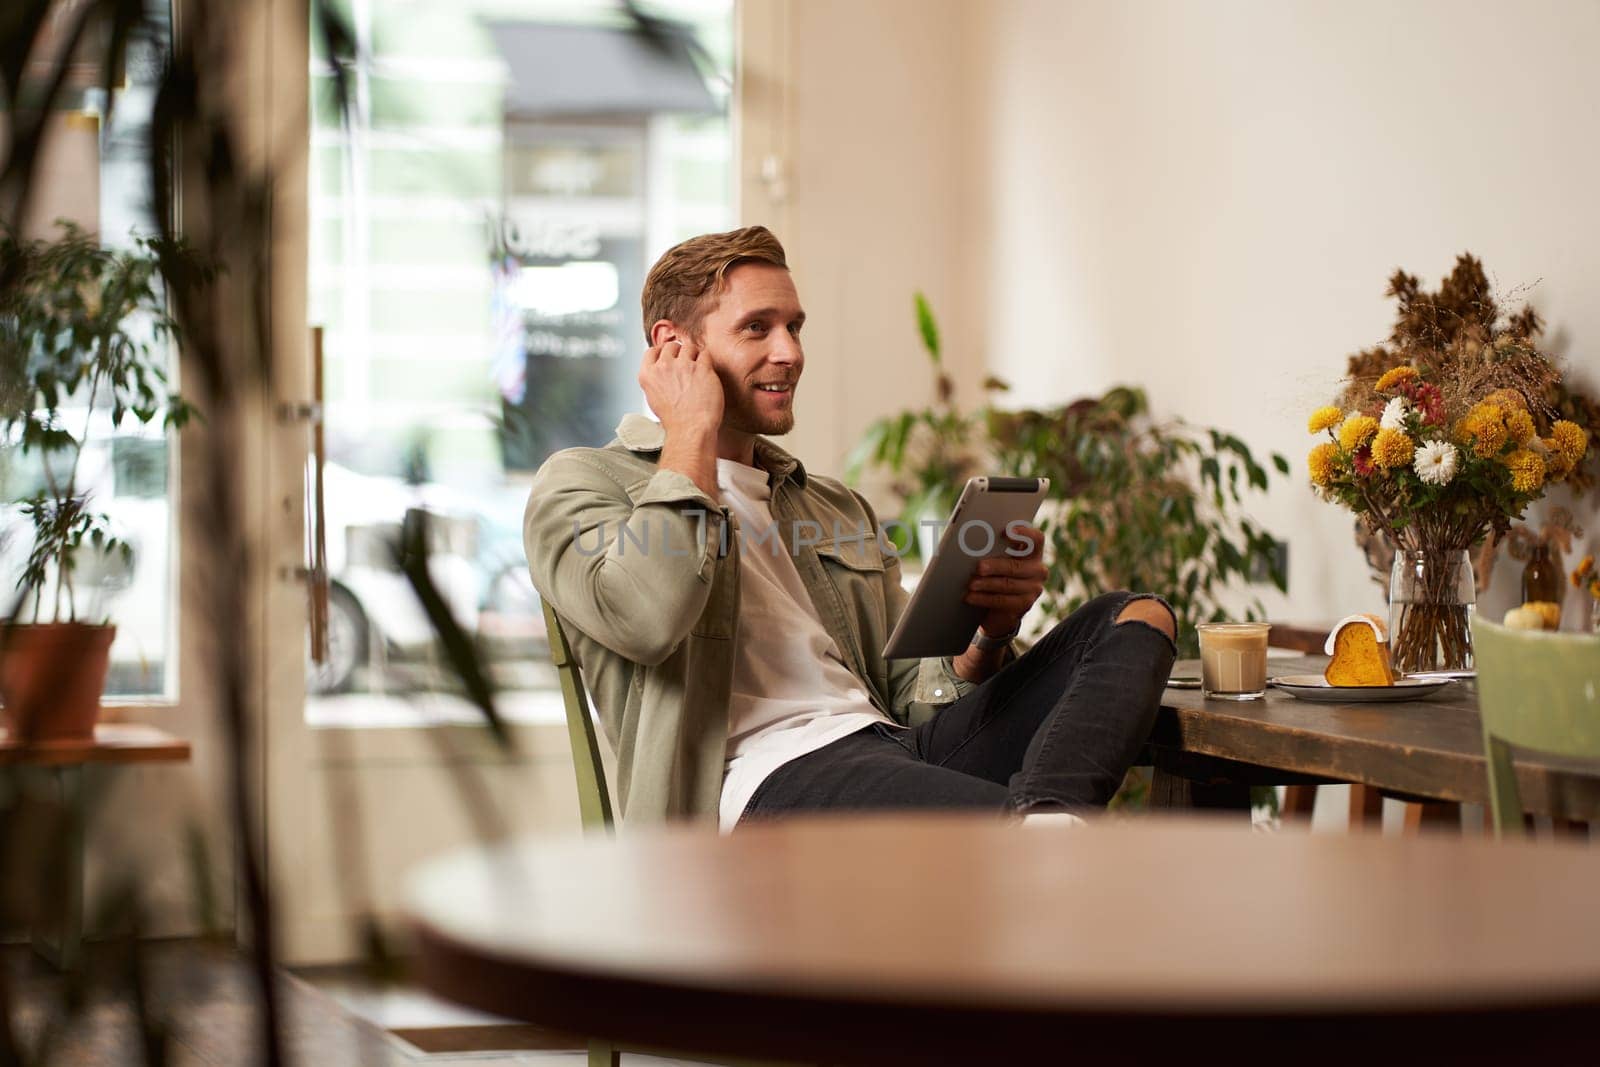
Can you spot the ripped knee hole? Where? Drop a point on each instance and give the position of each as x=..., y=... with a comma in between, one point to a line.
x=1150, y=612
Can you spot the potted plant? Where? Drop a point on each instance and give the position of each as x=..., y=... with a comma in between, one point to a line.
x=1139, y=503
x=1146, y=504
x=928, y=453
x=82, y=344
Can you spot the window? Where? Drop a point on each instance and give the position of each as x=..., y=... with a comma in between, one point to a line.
x=479, y=235
x=96, y=172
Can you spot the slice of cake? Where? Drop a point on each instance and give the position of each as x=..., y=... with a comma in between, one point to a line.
x=1359, y=645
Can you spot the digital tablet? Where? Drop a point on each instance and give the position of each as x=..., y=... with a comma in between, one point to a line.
x=937, y=621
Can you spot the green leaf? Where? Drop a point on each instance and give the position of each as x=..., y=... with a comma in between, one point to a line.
x=866, y=450
x=928, y=328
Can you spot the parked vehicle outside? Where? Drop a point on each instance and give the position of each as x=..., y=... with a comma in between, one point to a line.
x=475, y=559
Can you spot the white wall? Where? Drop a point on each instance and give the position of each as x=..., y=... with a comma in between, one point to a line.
x=1207, y=199
x=867, y=106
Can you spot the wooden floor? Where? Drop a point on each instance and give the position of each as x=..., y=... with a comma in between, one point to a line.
x=205, y=997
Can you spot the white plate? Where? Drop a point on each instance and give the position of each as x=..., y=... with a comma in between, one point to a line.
x=1315, y=687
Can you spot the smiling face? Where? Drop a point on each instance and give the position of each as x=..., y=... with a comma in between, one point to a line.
x=752, y=334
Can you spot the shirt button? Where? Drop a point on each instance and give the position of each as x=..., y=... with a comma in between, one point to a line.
x=938, y=692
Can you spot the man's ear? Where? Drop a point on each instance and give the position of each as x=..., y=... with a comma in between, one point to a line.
x=663, y=331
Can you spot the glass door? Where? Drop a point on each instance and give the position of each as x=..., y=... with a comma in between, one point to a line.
x=479, y=224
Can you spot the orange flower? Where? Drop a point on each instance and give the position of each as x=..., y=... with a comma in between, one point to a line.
x=1527, y=470
x=1571, y=439
x=1324, y=418
x=1484, y=427
x=1357, y=431
x=1555, y=460
x=1519, y=424
x=1321, y=462
x=1392, y=448
x=1507, y=399
x=1395, y=377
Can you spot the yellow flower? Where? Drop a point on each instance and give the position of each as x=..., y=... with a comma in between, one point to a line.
x=1519, y=424
x=1485, y=428
x=1585, y=567
x=1321, y=461
x=1555, y=460
x=1357, y=431
x=1487, y=409
x=1392, y=448
x=1394, y=377
x=1324, y=418
x=1527, y=470
x=1507, y=399
x=1594, y=588
x=1570, y=439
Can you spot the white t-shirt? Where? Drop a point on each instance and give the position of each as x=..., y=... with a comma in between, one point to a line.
x=792, y=692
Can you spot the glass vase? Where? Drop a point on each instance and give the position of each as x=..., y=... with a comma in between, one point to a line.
x=1431, y=597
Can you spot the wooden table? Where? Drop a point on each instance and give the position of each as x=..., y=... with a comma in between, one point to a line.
x=961, y=939
x=65, y=762
x=1429, y=749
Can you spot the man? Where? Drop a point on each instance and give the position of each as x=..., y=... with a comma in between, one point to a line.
x=730, y=609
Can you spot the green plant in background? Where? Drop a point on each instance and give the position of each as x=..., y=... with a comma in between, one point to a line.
x=82, y=332
x=929, y=453
x=1142, y=504
x=1138, y=503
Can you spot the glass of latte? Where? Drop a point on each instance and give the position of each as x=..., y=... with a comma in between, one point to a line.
x=1233, y=660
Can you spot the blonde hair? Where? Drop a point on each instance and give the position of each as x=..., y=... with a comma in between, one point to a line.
x=677, y=287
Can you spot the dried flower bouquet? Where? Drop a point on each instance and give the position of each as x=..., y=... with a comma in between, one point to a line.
x=1441, y=437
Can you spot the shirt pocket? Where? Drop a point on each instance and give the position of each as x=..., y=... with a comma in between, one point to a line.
x=855, y=569
x=860, y=556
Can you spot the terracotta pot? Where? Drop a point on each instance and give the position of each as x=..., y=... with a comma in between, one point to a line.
x=51, y=678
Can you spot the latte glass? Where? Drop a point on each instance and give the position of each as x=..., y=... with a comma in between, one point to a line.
x=1233, y=660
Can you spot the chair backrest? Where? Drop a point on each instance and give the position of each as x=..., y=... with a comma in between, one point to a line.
x=594, y=800
x=1298, y=638
x=1536, y=690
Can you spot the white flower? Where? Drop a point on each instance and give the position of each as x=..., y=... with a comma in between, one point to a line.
x=1435, y=462
x=1394, y=414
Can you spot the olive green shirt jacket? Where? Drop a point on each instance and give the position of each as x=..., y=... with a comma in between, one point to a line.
x=643, y=569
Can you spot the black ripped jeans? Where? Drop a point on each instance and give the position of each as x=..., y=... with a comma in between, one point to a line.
x=1054, y=731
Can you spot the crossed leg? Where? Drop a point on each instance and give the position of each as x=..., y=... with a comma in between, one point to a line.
x=1056, y=730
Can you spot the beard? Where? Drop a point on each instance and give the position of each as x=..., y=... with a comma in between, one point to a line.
x=741, y=410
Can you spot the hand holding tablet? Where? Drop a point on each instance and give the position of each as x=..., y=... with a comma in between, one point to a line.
x=988, y=523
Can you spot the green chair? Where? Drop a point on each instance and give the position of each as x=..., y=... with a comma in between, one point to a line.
x=594, y=799
x=1539, y=691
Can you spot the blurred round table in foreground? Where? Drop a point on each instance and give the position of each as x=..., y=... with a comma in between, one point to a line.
x=958, y=939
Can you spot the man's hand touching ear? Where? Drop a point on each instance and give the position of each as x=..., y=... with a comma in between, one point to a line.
x=685, y=393
x=682, y=387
